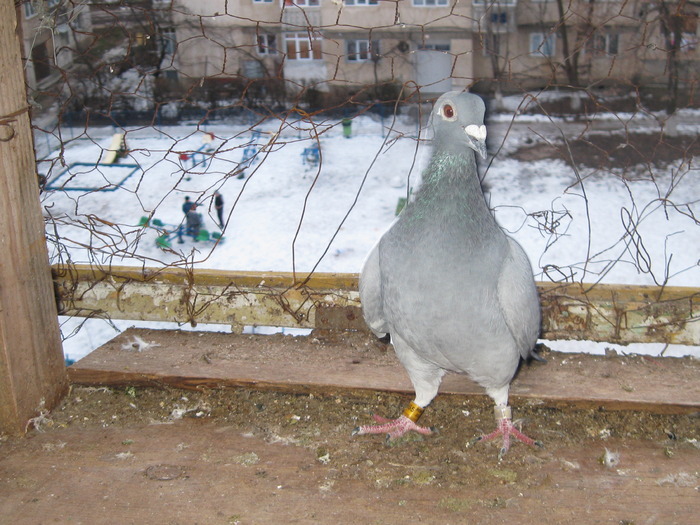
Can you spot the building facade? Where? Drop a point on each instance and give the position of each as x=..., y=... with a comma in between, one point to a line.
x=51, y=35
x=430, y=45
x=539, y=43
x=327, y=43
x=438, y=44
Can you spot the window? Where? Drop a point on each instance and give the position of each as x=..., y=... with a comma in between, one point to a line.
x=689, y=42
x=434, y=46
x=361, y=2
x=430, y=3
x=29, y=10
x=542, y=44
x=41, y=58
x=302, y=3
x=262, y=1
x=267, y=44
x=601, y=45
x=611, y=44
x=169, y=41
x=499, y=18
x=361, y=50
x=300, y=47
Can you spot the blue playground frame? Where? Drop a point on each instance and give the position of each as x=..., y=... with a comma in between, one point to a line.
x=199, y=158
x=54, y=183
x=251, y=150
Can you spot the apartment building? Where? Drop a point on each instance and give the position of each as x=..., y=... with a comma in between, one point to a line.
x=536, y=43
x=51, y=31
x=326, y=42
x=437, y=44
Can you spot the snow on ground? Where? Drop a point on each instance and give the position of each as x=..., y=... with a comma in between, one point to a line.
x=587, y=226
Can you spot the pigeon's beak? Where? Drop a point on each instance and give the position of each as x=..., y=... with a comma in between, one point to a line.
x=476, y=138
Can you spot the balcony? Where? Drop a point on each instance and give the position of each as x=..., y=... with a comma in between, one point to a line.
x=497, y=17
x=294, y=17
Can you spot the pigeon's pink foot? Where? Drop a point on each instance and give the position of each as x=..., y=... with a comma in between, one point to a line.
x=506, y=429
x=395, y=428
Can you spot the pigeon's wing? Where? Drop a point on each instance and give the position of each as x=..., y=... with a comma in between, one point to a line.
x=519, y=300
x=371, y=293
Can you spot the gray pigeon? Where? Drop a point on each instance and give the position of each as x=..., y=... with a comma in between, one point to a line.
x=453, y=290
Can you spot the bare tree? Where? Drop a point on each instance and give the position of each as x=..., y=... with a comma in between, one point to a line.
x=672, y=19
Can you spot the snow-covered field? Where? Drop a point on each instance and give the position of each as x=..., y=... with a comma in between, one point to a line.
x=634, y=227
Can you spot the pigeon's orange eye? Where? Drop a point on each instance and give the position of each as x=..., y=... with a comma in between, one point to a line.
x=448, y=111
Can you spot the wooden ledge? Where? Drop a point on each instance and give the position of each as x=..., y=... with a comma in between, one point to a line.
x=353, y=361
x=608, y=313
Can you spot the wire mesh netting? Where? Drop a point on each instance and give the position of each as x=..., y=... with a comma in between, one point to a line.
x=287, y=135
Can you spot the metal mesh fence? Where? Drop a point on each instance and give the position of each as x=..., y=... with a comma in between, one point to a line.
x=286, y=135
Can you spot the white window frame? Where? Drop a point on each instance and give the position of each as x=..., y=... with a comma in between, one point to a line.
x=689, y=42
x=301, y=3
x=168, y=39
x=360, y=2
x=262, y=1
x=444, y=47
x=599, y=44
x=298, y=38
x=263, y=44
x=540, y=42
x=29, y=11
x=431, y=3
x=358, y=54
x=501, y=3
x=611, y=38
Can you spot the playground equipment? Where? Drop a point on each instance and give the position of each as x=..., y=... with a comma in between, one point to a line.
x=199, y=158
x=347, y=127
x=168, y=232
x=73, y=178
x=116, y=150
x=311, y=156
x=251, y=150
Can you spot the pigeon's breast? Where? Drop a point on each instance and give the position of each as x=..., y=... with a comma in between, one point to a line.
x=440, y=289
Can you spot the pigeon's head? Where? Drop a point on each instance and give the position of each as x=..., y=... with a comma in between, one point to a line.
x=458, y=120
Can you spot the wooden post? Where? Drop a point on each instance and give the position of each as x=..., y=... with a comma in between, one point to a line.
x=32, y=370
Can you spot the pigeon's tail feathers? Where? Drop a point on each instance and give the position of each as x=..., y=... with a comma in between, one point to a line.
x=371, y=294
x=519, y=299
x=535, y=356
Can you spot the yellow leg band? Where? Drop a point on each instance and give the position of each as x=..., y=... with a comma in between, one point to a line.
x=413, y=412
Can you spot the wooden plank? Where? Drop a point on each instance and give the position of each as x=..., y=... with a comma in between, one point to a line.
x=621, y=313
x=31, y=358
x=351, y=361
x=208, y=296
x=609, y=313
x=241, y=469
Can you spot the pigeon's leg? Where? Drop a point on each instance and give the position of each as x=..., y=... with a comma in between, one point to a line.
x=506, y=429
x=426, y=379
x=396, y=428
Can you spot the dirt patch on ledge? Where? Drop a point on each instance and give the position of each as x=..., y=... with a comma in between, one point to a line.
x=227, y=456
